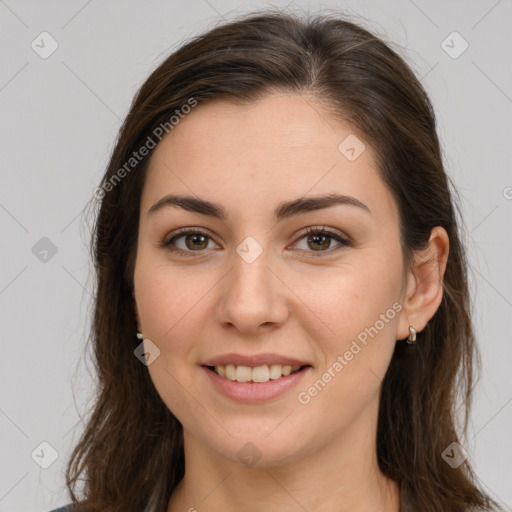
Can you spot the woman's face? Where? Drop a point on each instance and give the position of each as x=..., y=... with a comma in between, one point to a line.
x=254, y=289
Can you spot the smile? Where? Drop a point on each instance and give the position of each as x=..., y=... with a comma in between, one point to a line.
x=257, y=384
x=264, y=373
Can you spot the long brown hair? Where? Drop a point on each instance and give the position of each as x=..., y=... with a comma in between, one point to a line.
x=130, y=455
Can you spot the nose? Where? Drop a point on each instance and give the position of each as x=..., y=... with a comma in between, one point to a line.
x=253, y=298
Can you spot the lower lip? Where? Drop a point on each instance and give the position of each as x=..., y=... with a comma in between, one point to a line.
x=254, y=392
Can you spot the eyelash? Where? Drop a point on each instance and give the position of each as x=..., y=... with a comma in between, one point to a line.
x=311, y=231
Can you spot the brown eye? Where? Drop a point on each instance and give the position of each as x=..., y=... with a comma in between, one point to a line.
x=196, y=241
x=319, y=241
x=187, y=241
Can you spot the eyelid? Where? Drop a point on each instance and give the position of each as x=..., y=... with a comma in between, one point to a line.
x=181, y=232
x=313, y=230
x=342, y=239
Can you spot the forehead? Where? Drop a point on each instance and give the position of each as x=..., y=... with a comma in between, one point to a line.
x=283, y=146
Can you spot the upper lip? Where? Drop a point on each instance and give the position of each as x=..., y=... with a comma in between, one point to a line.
x=253, y=360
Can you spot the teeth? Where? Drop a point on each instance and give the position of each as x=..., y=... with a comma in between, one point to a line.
x=255, y=374
x=275, y=371
x=260, y=374
x=230, y=372
x=243, y=374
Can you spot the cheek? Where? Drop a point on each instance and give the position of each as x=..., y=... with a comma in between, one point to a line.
x=168, y=300
x=345, y=300
x=356, y=311
x=171, y=312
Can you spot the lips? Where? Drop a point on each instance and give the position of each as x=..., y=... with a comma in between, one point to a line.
x=253, y=392
x=257, y=377
x=254, y=360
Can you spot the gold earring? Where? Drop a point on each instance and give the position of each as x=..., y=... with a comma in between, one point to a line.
x=412, y=335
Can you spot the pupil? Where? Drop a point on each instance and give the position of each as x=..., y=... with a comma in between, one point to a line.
x=195, y=238
x=317, y=237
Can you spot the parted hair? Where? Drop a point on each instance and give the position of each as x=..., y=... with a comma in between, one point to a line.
x=130, y=455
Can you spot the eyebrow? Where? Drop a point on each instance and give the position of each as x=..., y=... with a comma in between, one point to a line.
x=284, y=210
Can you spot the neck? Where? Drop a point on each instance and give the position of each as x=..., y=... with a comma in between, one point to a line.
x=342, y=476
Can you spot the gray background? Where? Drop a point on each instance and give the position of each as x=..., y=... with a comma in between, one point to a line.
x=60, y=116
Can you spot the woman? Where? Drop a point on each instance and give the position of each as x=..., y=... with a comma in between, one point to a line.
x=282, y=311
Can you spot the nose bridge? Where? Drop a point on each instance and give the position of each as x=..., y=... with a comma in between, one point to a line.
x=252, y=295
x=251, y=272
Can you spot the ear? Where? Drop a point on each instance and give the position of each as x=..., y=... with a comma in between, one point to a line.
x=424, y=286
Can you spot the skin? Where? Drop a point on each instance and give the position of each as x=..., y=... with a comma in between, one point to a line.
x=321, y=455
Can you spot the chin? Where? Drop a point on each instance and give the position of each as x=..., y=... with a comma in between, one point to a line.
x=252, y=445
